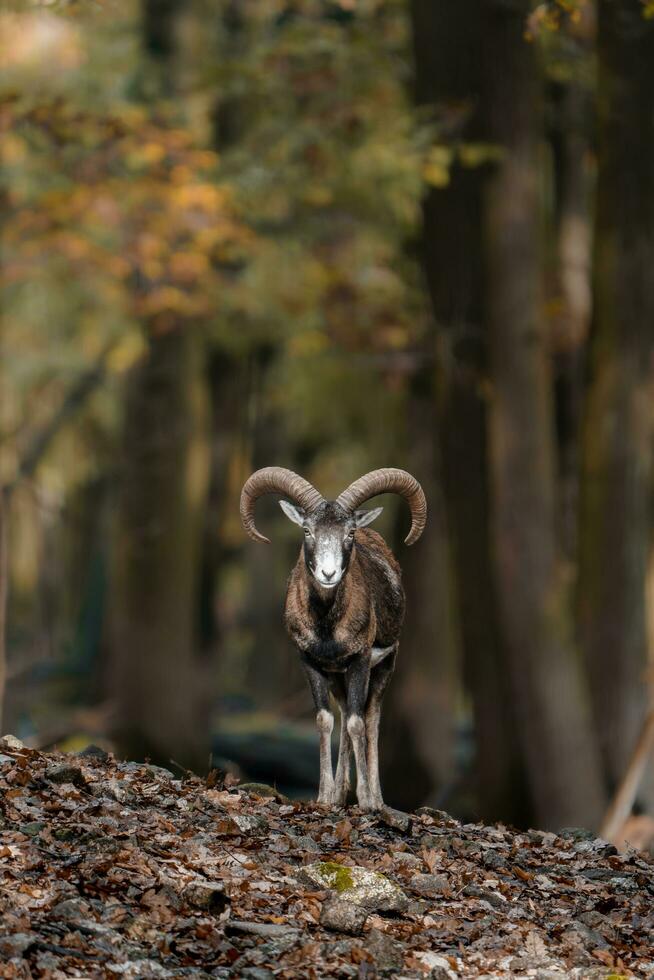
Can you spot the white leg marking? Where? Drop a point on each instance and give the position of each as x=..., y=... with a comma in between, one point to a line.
x=377, y=654
x=372, y=737
x=357, y=731
x=325, y=723
x=343, y=765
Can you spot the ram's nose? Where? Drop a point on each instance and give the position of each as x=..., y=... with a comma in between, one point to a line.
x=329, y=575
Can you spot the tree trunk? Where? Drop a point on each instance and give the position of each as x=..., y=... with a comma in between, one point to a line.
x=226, y=377
x=273, y=674
x=550, y=698
x=156, y=678
x=448, y=40
x=4, y=572
x=570, y=142
x=163, y=494
x=420, y=767
x=617, y=472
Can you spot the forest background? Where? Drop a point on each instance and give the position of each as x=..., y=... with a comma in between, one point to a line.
x=331, y=235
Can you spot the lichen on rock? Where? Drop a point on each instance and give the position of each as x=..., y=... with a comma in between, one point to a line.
x=370, y=889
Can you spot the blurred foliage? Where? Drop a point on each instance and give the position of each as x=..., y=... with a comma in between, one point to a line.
x=122, y=217
x=261, y=183
x=263, y=188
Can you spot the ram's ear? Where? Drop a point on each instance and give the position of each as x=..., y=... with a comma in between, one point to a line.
x=295, y=514
x=364, y=517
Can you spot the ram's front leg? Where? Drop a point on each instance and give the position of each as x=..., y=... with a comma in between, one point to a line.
x=357, y=679
x=325, y=723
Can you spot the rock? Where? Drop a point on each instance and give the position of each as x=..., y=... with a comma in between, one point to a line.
x=269, y=930
x=209, y=895
x=66, y=833
x=11, y=744
x=263, y=790
x=474, y=891
x=343, y=916
x=16, y=944
x=396, y=819
x=578, y=834
x=494, y=860
x=591, y=937
x=249, y=822
x=407, y=860
x=6, y=760
x=71, y=908
x=358, y=885
x=439, y=965
x=66, y=774
x=386, y=953
x=156, y=772
x=432, y=886
x=139, y=969
x=47, y=964
x=32, y=829
x=94, y=752
x=416, y=908
x=238, y=823
x=439, y=815
x=111, y=788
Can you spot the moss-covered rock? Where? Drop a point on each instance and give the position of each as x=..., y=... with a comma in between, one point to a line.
x=370, y=889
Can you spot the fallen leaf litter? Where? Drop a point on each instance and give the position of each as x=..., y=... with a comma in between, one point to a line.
x=111, y=869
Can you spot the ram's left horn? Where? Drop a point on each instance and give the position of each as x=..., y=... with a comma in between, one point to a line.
x=389, y=480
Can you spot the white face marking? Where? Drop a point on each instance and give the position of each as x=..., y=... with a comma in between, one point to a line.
x=328, y=561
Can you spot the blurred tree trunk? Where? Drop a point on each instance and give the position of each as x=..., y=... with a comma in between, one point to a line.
x=161, y=712
x=573, y=236
x=448, y=45
x=227, y=372
x=3, y=600
x=550, y=699
x=273, y=672
x=420, y=766
x=617, y=472
x=226, y=381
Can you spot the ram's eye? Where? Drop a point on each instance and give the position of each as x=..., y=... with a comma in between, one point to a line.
x=350, y=534
x=307, y=532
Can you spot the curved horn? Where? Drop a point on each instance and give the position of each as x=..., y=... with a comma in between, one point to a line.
x=389, y=480
x=275, y=479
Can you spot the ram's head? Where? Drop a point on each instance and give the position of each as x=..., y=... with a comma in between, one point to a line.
x=329, y=525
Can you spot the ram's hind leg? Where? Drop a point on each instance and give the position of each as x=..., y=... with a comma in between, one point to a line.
x=342, y=783
x=379, y=678
x=357, y=679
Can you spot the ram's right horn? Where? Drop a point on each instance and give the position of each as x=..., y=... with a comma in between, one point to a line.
x=275, y=479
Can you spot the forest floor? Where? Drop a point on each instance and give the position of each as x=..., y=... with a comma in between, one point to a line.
x=112, y=869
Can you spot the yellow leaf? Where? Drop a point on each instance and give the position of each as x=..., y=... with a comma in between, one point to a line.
x=126, y=353
x=13, y=148
x=307, y=343
x=476, y=154
x=436, y=170
x=318, y=195
x=188, y=266
x=436, y=175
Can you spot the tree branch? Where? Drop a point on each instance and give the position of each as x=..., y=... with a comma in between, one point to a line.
x=74, y=399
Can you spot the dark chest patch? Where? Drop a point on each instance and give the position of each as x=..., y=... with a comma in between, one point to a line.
x=329, y=656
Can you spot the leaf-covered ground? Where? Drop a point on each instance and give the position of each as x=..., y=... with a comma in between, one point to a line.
x=122, y=870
